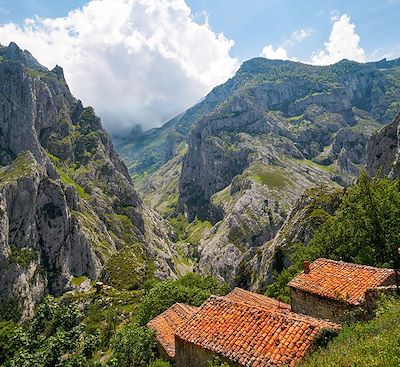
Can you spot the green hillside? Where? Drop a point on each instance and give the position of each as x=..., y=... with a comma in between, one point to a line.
x=375, y=343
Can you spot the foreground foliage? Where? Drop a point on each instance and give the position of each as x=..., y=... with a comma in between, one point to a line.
x=191, y=289
x=104, y=329
x=373, y=343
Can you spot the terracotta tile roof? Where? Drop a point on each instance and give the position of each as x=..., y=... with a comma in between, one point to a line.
x=250, y=335
x=341, y=281
x=256, y=300
x=166, y=324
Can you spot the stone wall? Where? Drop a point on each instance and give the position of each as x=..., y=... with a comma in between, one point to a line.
x=374, y=295
x=191, y=355
x=162, y=353
x=313, y=305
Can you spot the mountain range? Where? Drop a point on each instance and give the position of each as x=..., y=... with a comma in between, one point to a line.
x=236, y=163
x=218, y=189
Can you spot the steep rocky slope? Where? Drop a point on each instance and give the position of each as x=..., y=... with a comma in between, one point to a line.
x=68, y=208
x=283, y=85
x=254, y=144
x=383, y=151
x=310, y=211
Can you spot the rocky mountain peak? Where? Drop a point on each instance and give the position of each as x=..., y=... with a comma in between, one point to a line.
x=68, y=207
x=58, y=70
x=14, y=53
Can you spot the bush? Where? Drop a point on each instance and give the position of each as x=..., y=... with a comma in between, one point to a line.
x=372, y=343
x=159, y=363
x=216, y=362
x=191, y=289
x=134, y=346
x=53, y=332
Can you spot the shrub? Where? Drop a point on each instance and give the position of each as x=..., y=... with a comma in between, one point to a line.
x=191, y=289
x=134, y=346
x=159, y=363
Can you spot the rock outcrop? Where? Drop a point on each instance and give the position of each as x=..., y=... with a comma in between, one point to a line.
x=254, y=144
x=67, y=204
x=383, y=151
x=252, y=156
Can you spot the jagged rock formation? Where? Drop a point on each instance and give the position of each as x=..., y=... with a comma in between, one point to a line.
x=255, y=144
x=310, y=211
x=383, y=151
x=67, y=204
x=371, y=88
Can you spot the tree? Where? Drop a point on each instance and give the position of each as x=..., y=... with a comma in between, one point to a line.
x=134, y=346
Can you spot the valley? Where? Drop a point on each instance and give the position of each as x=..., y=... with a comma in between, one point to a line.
x=285, y=163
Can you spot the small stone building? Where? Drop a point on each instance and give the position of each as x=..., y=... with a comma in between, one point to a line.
x=166, y=325
x=336, y=290
x=246, y=329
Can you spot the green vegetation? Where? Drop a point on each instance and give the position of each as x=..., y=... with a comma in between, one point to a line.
x=77, y=281
x=328, y=169
x=374, y=343
x=191, y=289
x=190, y=232
x=23, y=256
x=217, y=362
x=34, y=73
x=365, y=229
x=105, y=329
x=160, y=363
x=66, y=178
x=133, y=346
x=127, y=268
x=23, y=166
x=269, y=175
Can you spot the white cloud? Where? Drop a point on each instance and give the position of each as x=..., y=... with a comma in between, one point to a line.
x=281, y=53
x=274, y=54
x=135, y=61
x=344, y=43
x=301, y=34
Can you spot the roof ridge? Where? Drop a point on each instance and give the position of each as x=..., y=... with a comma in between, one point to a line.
x=288, y=314
x=275, y=301
x=341, y=281
x=362, y=266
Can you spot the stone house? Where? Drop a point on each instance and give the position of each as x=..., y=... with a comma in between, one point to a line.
x=165, y=326
x=338, y=291
x=242, y=328
x=248, y=329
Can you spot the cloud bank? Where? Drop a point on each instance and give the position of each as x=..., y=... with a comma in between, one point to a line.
x=280, y=52
x=270, y=52
x=135, y=61
x=343, y=43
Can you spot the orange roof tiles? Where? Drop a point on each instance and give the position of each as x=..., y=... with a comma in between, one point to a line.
x=342, y=281
x=256, y=300
x=252, y=335
x=166, y=324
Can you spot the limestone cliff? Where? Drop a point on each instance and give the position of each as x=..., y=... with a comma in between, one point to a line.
x=254, y=144
x=383, y=151
x=67, y=204
x=284, y=128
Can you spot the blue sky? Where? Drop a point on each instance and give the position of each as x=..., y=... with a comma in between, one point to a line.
x=254, y=23
x=145, y=61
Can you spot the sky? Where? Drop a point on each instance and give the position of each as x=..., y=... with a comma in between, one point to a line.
x=145, y=61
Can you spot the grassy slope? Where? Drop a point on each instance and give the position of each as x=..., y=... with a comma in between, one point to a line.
x=373, y=343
